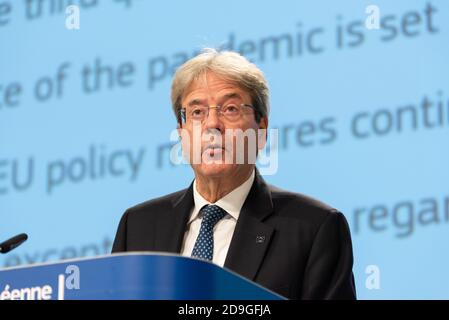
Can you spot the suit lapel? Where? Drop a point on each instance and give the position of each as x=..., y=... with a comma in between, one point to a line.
x=251, y=237
x=172, y=224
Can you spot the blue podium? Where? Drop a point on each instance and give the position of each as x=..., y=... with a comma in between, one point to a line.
x=140, y=276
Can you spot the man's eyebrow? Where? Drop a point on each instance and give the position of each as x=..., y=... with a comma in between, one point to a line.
x=231, y=95
x=195, y=102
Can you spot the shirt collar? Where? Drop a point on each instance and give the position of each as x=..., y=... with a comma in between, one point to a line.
x=232, y=203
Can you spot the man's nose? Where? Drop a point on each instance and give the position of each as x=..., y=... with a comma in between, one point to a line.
x=213, y=120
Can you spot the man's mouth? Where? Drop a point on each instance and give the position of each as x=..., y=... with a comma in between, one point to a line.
x=213, y=148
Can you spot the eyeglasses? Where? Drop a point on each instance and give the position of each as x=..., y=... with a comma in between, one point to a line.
x=231, y=112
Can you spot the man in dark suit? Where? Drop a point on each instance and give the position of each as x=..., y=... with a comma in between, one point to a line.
x=286, y=242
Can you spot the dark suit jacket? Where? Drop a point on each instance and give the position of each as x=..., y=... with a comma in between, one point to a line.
x=306, y=254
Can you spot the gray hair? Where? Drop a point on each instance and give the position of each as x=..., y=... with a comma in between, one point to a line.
x=227, y=64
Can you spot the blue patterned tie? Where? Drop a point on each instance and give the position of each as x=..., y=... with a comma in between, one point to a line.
x=204, y=245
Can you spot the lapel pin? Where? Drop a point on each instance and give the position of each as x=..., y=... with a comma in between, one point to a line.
x=260, y=239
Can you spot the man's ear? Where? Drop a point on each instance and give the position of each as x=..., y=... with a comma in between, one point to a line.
x=262, y=135
x=263, y=123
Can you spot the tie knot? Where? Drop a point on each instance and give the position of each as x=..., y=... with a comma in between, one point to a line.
x=212, y=214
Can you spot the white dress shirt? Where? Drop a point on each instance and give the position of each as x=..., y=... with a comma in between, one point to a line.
x=232, y=203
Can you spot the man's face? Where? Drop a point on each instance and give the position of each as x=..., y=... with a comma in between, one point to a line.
x=207, y=143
